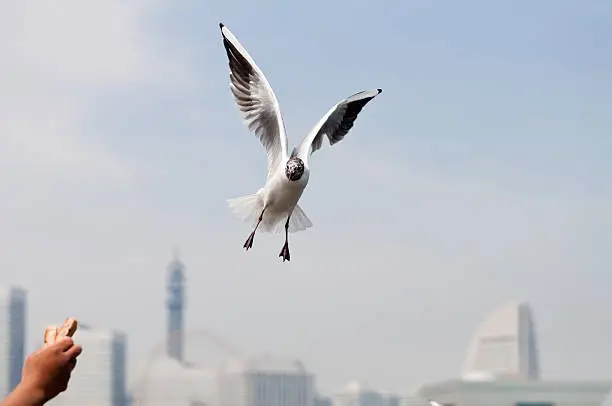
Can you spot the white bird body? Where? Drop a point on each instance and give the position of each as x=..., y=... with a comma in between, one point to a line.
x=279, y=197
x=275, y=207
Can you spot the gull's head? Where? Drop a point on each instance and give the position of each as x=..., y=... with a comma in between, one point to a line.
x=294, y=169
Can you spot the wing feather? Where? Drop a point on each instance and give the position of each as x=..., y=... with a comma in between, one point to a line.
x=256, y=100
x=335, y=124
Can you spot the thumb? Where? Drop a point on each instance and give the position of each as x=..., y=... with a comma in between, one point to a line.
x=74, y=351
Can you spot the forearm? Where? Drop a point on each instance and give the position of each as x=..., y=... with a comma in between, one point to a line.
x=23, y=396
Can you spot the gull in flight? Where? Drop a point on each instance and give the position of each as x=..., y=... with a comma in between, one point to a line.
x=276, y=203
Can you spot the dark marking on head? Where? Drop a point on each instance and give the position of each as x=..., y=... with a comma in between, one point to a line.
x=294, y=169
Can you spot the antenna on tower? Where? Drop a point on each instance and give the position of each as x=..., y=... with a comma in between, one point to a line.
x=176, y=252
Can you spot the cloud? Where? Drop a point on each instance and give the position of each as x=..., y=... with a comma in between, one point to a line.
x=57, y=59
x=92, y=42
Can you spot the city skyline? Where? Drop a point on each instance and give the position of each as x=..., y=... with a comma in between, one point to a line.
x=503, y=346
x=503, y=353
x=483, y=174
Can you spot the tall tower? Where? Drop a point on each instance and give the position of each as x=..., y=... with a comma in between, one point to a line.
x=175, y=304
x=12, y=336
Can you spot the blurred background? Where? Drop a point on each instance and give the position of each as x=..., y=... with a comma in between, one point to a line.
x=460, y=248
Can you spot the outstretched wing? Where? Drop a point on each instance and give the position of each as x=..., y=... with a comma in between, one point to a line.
x=256, y=100
x=335, y=124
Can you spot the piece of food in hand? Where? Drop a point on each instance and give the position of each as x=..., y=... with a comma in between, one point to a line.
x=68, y=329
x=50, y=335
x=53, y=334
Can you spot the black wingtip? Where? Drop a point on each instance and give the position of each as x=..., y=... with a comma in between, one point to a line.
x=379, y=91
x=221, y=25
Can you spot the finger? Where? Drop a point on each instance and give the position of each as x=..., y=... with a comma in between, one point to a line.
x=74, y=351
x=62, y=344
x=50, y=335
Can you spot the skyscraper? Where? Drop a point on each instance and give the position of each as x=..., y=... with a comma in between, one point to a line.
x=175, y=305
x=100, y=378
x=504, y=345
x=12, y=337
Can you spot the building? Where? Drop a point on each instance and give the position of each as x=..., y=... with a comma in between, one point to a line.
x=502, y=369
x=392, y=400
x=175, y=307
x=265, y=381
x=505, y=345
x=413, y=401
x=509, y=392
x=12, y=337
x=322, y=401
x=168, y=378
x=357, y=394
x=167, y=381
x=100, y=378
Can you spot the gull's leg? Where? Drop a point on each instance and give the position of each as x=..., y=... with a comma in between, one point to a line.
x=249, y=242
x=285, y=251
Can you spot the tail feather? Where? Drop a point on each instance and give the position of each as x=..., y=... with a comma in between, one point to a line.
x=246, y=208
x=299, y=221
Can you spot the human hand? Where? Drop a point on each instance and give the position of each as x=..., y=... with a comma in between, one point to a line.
x=46, y=372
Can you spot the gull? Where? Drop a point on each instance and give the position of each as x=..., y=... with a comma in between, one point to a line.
x=277, y=201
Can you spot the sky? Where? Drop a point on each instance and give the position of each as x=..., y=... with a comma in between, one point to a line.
x=481, y=174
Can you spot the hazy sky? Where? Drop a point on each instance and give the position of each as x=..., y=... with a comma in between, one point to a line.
x=482, y=173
